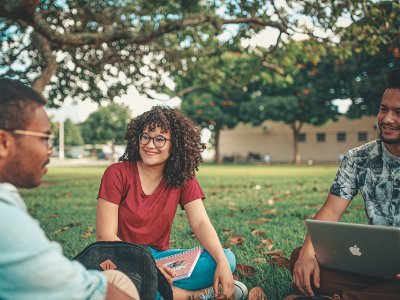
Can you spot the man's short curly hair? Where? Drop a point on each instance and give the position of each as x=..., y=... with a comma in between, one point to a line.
x=186, y=146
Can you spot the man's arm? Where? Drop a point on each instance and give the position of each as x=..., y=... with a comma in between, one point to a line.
x=307, y=265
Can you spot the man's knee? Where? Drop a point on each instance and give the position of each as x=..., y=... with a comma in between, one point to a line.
x=122, y=282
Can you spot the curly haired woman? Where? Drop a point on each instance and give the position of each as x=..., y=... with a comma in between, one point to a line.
x=139, y=196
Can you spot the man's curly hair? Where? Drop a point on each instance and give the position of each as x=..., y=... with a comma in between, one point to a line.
x=186, y=146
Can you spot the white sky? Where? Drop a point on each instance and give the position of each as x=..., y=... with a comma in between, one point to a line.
x=78, y=112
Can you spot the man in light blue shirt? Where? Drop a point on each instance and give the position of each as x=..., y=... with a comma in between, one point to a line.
x=32, y=267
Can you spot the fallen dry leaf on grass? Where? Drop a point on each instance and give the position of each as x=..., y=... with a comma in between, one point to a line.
x=278, y=258
x=269, y=212
x=260, y=247
x=257, y=232
x=277, y=252
x=279, y=261
x=259, y=221
x=245, y=270
x=232, y=206
x=64, y=228
x=88, y=232
x=86, y=235
x=260, y=260
x=236, y=239
x=227, y=231
x=257, y=293
x=269, y=243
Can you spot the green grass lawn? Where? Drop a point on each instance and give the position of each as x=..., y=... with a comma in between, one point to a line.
x=240, y=199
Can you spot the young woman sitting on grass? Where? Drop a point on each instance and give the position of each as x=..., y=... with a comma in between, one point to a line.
x=139, y=196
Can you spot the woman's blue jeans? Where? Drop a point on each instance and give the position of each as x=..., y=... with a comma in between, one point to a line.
x=203, y=273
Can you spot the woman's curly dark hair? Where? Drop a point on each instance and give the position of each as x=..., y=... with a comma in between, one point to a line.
x=186, y=146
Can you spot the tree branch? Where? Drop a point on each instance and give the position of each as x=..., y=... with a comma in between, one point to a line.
x=18, y=9
x=274, y=67
x=97, y=38
x=51, y=65
x=189, y=90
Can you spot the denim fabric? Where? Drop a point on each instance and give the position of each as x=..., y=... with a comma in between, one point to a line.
x=32, y=267
x=203, y=273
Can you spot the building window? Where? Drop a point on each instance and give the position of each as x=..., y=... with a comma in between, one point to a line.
x=341, y=136
x=362, y=136
x=301, y=137
x=321, y=137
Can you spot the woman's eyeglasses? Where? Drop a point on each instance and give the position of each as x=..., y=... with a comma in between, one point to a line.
x=158, y=141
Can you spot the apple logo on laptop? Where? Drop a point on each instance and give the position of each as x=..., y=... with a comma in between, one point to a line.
x=355, y=250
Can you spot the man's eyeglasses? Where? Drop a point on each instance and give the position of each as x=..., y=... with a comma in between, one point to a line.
x=158, y=141
x=47, y=137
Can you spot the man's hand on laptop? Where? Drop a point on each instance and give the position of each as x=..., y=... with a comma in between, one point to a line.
x=305, y=269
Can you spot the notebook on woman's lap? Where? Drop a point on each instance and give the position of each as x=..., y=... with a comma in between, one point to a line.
x=357, y=248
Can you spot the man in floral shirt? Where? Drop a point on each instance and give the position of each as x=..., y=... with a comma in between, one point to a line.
x=373, y=170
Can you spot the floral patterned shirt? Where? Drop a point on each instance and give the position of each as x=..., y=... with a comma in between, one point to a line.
x=375, y=172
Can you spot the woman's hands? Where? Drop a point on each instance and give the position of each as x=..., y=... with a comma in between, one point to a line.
x=168, y=273
x=223, y=281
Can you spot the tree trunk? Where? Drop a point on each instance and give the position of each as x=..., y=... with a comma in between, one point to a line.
x=93, y=151
x=296, y=154
x=217, y=158
x=296, y=130
x=114, y=157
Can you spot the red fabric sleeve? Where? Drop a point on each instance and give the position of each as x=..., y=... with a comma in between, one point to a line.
x=112, y=184
x=190, y=191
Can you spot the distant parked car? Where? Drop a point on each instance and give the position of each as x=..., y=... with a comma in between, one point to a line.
x=74, y=154
x=101, y=155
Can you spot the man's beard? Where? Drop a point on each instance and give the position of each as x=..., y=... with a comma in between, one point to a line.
x=389, y=141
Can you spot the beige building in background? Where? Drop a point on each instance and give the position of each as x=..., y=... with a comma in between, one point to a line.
x=274, y=140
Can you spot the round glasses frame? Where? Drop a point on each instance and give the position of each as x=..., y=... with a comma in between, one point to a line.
x=158, y=141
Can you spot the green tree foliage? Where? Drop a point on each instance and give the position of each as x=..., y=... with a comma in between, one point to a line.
x=368, y=49
x=96, y=49
x=107, y=125
x=301, y=97
x=72, y=134
x=299, y=80
x=219, y=88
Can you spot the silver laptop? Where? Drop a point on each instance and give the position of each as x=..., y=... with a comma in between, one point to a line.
x=357, y=248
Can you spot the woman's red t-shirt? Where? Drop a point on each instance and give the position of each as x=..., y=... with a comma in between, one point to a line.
x=144, y=219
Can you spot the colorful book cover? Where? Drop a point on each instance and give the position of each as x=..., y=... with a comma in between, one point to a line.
x=183, y=263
